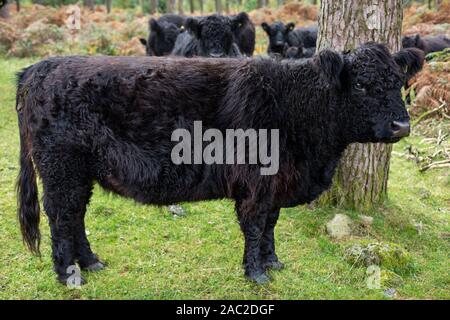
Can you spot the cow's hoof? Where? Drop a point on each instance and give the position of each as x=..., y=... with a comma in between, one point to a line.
x=261, y=278
x=274, y=265
x=97, y=266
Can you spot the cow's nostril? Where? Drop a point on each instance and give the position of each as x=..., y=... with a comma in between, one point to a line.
x=400, y=129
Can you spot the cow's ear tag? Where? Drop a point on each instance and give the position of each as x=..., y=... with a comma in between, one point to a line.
x=182, y=28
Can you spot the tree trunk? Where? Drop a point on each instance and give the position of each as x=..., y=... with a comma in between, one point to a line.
x=362, y=175
x=180, y=7
x=4, y=11
x=153, y=6
x=219, y=6
x=108, y=4
x=260, y=3
x=201, y=3
x=170, y=6
x=89, y=4
x=18, y=5
x=191, y=6
x=227, y=6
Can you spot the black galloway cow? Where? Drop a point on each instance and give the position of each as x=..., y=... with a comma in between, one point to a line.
x=426, y=44
x=111, y=119
x=163, y=34
x=281, y=35
x=212, y=36
x=244, y=31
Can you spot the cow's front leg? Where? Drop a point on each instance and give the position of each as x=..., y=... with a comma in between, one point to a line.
x=268, y=256
x=252, y=225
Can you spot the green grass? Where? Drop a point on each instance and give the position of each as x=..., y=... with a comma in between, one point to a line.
x=152, y=255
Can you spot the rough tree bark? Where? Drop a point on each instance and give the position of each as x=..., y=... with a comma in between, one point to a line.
x=89, y=4
x=153, y=6
x=170, y=6
x=218, y=6
x=108, y=4
x=4, y=10
x=362, y=175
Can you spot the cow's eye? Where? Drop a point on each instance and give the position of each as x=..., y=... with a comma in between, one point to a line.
x=358, y=86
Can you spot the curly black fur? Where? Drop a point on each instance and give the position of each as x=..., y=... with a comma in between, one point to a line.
x=110, y=120
x=163, y=34
x=212, y=36
x=426, y=44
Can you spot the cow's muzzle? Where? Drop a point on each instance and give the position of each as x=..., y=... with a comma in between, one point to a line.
x=400, y=129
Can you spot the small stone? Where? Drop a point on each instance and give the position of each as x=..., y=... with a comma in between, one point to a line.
x=390, y=293
x=340, y=226
x=176, y=210
x=366, y=221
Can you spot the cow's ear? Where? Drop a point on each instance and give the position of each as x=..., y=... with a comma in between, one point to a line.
x=143, y=41
x=265, y=27
x=154, y=26
x=193, y=26
x=239, y=20
x=417, y=39
x=410, y=61
x=290, y=26
x=330, y=64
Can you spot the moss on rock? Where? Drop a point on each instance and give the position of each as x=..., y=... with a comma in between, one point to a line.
x=389, y=256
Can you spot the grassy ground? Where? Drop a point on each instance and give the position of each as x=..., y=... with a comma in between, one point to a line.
x=152, y=255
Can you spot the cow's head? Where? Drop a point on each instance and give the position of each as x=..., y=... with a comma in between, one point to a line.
x=162, y=38
x=368, y=81
x=411, y=41
x=215, y=34
x=278, y=35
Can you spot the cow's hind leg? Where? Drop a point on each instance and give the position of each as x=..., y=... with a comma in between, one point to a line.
x=268, y=255
x=66, y=193
x=83, y=253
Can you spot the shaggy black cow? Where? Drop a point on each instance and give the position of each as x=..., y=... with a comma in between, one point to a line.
x=212, y=36
x=426, y=44
x=163, y=34
x=244, y=32
x=111, y=120
x=281, y=35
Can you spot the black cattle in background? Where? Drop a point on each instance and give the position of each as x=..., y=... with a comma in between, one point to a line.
x=278, y=35
x=245, y=35
x=304, y=36
x=427, y=44
x=212, y=36
x=297, y=52
x=111, y=120
x=281, y=35
x=163, y=34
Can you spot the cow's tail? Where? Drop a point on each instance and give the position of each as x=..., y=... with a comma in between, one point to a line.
x=28, y=210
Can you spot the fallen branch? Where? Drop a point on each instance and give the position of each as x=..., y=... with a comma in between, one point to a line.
x=437, y=164
x=426, y=114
